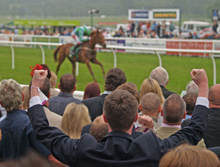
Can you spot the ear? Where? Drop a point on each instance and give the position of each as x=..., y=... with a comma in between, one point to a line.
x=159, y=109
x=74, y=88
x=184, y=116
x=161, y=112
x=140, y=108
x=49, y=95
x=136, y=117
x=167, y=82
x=22, y=96
x=59, y=86
x=105, y=119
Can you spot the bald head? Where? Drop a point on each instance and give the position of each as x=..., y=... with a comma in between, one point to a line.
x=150, y=103
x=173, y=109
x=214, y=95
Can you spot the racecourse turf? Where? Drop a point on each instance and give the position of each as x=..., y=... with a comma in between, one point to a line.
x=137, y=67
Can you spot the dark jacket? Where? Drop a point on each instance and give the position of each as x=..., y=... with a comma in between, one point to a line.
x=118, y=148
x=212, y=131
x=58, y=103
x=166, y=92
x=17, y=136
x=95, y=105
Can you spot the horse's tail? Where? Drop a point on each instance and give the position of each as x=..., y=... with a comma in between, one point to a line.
x=55, y=53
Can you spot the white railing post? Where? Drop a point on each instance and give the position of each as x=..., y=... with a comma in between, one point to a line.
x=12, y=56
x=214, y=68
x=160, y=60
x=43, y=54
x=115, y=58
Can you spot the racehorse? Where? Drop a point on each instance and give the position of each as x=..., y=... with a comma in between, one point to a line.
x=85, y=53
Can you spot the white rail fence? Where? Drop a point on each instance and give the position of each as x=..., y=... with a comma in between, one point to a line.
x=114, y=48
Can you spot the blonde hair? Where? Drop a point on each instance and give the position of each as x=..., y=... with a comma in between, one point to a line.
x=53, y=80
x=74, y=118
x=189, y=156
x=151, y=85
x=10, y=95
x=26, y=92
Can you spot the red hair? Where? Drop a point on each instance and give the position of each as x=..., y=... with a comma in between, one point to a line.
x=92, y=90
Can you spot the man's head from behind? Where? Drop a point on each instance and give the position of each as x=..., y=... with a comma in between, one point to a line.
x=190, y=100
x=173, y=109
x=114, y=78
x=10, y=95
x=160, y=75
x=150, y=104
x=120, y=110
x=214, y=96
x=67, y=83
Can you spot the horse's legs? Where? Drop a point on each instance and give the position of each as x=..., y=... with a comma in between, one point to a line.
x=60, y=61
x=95, y=61
x=90, y=70
x=73, y=65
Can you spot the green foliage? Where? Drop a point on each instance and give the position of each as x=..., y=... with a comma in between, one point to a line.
x=137, y=67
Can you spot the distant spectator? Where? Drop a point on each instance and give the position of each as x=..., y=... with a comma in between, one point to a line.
x=189, y=156
x=171, y=26
x=215, y=26
x=154, y=26
x=160, y=74
x=195, y=36
x=142, y=34
x=67, y=86
x=74, y=118
x=158, y=29
x=163, y=27
x=92, y=90
x=132, y=28
x=190, y=36
x=180, y=36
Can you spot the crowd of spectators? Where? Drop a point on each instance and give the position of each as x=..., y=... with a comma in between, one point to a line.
x=123, y=126
x=141, y=29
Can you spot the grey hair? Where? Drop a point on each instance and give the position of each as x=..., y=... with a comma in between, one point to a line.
x=192, y=88
x=160, y=75
x=10, y=95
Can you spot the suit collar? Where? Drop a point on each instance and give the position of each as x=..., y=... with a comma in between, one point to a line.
x=118, y=134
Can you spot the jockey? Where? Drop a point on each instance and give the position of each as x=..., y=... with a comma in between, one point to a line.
x=78, y=34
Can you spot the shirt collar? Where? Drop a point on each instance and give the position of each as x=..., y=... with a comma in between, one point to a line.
x=170, y=126
x=107, y=92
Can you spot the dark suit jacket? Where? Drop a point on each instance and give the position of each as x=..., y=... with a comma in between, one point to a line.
x=86, y=129
x=166, y=92
x=58, y=103
x=118, y=148
x=212, y=131
x=95, y=105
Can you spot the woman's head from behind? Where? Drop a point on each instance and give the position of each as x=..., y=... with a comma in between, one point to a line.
x=74, y=118
x=151, y=85
x=92, y=90
x=189, y=156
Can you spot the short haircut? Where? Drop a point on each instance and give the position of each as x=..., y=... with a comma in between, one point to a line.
x=150, y=102
x=10, y=95
x=160, y=75
x=92, y=90
x=173, y=109
x=67, y=83
x=75, y=117
x=114, y=78
x=151, y=85
x=192, y=88
x=190, y=100
x=99, y=129
x=189, y=156
x=53, y=80
x=130, y=89
x=214, y=95
x=120, y=109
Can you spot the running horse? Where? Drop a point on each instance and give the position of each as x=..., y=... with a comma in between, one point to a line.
x=84, y=53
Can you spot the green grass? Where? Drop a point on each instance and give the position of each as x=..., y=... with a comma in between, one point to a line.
x=137, y=67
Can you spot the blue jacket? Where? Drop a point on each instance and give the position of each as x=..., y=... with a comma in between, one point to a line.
x=17, y=136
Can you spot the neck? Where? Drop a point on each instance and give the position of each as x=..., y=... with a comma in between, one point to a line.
x=151, y=114
x=129, y=131
x=168, y=123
